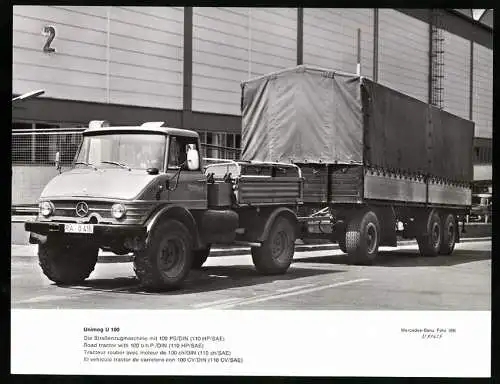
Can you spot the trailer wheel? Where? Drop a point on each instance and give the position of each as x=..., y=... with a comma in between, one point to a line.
x=363, y=238
x=166, y=261
x=199, y=257
x=276, y=253
x=449, y=235
x=66, y=263
x=430, y=243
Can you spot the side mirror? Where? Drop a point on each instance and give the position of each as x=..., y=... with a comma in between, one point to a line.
x=57, y=161
x=193, y=159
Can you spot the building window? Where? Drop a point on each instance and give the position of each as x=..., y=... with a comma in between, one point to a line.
x=483, y=154
x=476, y=154
x=220, y=145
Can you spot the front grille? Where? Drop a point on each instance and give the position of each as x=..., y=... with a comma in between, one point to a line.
x=68, y=208
x=65, y=211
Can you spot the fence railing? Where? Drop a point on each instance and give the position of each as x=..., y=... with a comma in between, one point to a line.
x=39, y=147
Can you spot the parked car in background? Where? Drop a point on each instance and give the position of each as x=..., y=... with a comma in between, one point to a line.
x=481, y=210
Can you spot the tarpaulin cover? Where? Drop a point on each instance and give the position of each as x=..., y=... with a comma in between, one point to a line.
x=312, y=115
x=302, y=115
x=451, y=143
x=395, y=129
x=406, y=134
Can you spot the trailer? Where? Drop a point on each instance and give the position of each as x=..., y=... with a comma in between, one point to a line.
x=325, y=155
x=376, y=163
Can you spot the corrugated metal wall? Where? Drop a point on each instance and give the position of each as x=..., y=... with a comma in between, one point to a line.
x=146, y=56
x=404, y=53
x=482, y=107
x=273, y=38
x=78, y=68
x=456, y=82
x=220, y=58
x=330, y=39
x=234, y=44
x=143, y=55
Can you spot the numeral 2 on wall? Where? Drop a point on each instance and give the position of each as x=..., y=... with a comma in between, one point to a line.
x=51, y=33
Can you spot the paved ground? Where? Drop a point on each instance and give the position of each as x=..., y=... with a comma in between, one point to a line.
x=317, y=280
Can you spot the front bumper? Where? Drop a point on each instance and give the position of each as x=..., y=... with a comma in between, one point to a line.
x=46, y=228
x=102, y=233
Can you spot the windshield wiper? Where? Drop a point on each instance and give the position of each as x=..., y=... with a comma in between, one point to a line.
x=116, y=163
x=88, y=164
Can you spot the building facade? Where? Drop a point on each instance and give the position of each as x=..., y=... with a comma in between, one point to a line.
x=184, y=65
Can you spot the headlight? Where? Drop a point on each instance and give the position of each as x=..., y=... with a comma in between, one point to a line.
x=46, y=208
x=118, y=211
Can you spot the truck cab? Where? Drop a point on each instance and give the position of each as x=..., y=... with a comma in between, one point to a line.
x=121, y=180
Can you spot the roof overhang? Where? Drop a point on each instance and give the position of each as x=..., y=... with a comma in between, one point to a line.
x=482, y=17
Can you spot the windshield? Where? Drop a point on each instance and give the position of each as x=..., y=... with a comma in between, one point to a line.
x=127, y=150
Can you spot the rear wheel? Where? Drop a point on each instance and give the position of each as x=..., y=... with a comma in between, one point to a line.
x=276, y=253
x=429, y=244
x=363, y=238
x=166, y=261
x=449, y=234
x=67, y=263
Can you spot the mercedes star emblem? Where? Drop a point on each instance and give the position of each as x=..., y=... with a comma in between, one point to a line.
x=82, y=209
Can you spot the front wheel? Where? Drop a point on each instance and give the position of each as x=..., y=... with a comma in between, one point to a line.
x=67, y=263
x=276, y=253
x=166, y=261
x=200, y=256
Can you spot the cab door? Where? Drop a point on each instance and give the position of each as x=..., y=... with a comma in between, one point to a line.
x=186, y=188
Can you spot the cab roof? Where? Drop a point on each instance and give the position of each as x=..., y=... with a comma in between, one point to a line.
x=141, y=129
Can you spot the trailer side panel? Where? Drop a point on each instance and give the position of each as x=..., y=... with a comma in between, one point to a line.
x=392, y=187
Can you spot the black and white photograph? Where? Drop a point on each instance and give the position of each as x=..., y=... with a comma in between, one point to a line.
x=249, y=159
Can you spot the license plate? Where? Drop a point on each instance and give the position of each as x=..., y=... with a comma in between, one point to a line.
x=78, y=228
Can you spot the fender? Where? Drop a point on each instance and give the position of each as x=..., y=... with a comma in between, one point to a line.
x=270, y=220
x=175, y=212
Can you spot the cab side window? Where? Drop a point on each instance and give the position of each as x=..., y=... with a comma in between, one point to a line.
x=177, y=152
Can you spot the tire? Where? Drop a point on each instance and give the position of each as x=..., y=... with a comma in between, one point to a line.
x=276, y=253
x=65, y=263
x=363, y=238
x=166, y=261
x=449, y=235
x=342, y=244
x=199, y=257
x=430, y=243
